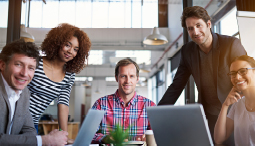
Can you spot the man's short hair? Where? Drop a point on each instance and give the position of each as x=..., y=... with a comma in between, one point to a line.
x=19, y=47
x=195, y=11
x=125, y=62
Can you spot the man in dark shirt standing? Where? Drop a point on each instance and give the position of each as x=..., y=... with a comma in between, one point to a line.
x=207, y=58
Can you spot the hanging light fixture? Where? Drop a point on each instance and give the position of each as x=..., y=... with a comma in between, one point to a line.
x=155, y=38
x=97, y=90
x=86, y=82
x=25, y=35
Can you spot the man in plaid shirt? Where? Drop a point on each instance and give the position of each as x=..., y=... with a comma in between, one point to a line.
x=124, y=107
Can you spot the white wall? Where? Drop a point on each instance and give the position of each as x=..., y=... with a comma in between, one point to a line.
x=79, y=99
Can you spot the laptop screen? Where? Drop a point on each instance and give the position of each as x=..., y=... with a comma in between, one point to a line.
x=179, y=125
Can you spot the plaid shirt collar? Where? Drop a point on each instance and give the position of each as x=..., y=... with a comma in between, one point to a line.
x=119, y=99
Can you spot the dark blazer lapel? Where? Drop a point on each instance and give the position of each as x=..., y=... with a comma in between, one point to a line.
x=215, y=57
x=5, y=97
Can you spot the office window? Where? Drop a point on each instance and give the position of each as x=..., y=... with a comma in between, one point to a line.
x=94, y=14
x=99, y=57
x=95, y=57
x=228, y=24
x=181, y=99
x=154, y=89
x=160, y=84
x=4, y=13
x=142, y=56
x=84, y=79
x=156, y=85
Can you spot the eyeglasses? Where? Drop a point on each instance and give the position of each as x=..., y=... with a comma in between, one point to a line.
x=242, y=72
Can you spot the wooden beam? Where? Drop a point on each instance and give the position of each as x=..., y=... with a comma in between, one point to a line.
x=14, y=17
x=162, y=13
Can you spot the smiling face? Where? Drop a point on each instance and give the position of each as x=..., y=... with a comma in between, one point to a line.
x=199, y=31
x=242, y=82
x=127, y=80
x=19, y=71
x=69, y=50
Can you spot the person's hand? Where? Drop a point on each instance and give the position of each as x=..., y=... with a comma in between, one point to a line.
x=55, y=137
x=107, y=139
x=233, y=96
x=70, y=141
x=141, y=138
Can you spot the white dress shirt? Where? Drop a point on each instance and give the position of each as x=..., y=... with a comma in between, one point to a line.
x=13, y=98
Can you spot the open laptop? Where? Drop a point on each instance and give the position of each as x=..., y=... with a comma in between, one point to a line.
x=89, y=128
x=180, y=125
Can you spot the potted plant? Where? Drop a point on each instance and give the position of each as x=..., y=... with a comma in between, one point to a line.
x=118, y=135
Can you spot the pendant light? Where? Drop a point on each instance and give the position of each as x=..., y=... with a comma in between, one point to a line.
x=155, y=38
x=25, y=35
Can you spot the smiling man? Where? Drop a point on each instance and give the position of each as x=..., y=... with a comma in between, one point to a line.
x=124, y=107
x=18, y=61
x=207, y=58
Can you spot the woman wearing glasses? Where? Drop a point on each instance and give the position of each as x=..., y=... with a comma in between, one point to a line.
x=241, y=116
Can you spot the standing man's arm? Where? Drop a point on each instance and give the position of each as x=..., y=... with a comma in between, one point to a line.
x=237, y=49
x=175, y=89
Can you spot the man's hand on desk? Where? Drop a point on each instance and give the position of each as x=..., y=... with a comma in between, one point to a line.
x=70, y=141
x=141, y=138
x=55, y=137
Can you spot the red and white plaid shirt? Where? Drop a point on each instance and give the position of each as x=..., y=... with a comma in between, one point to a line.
x=134, y=116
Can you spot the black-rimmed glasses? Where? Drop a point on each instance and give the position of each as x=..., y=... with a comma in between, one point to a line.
x=242, y=72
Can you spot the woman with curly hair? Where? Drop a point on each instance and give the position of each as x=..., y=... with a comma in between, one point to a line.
x=67, y=49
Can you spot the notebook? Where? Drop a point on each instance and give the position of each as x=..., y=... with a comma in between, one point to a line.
x=180, y=125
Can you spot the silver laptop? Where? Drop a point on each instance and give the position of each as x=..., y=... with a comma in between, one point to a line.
x=180, y=125
x=89, y=127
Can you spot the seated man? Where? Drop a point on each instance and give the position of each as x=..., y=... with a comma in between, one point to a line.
x=18, y=61
x=124, y=107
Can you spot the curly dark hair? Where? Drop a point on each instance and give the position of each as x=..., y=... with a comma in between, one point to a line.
x=19, y=47
x=125, y=62
x=195, y=11
x=58, y=37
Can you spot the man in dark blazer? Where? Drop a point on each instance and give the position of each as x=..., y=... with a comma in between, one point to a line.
x=207, y=58
x=18, y=61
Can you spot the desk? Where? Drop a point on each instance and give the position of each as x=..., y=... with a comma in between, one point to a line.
x=73, y=128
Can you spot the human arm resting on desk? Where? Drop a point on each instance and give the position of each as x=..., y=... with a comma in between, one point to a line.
x=63, y=103
x=63, y=111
